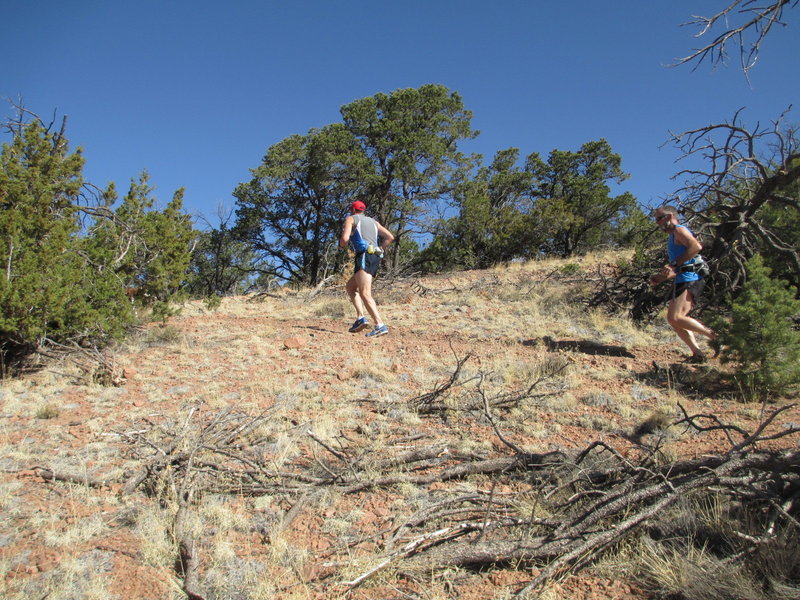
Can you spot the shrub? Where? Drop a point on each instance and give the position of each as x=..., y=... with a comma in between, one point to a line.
x=49, y=288
x=759, y=337
x=68, y=258
x=570, y=269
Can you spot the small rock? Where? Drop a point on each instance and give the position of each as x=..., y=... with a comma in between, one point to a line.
x=293, y=343
x=178, y=389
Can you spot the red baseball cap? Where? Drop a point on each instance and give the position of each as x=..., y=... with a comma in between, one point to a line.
x=358, y=205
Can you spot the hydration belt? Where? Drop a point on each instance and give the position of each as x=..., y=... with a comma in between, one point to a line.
x=697, y=265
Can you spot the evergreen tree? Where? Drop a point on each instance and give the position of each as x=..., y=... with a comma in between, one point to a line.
x=491, y=226
x=574, y=210
x=221, y=264
x=170, y=232
x=397, y=151
x=781, y=218
x=49, y=286
x=559, y=207
x=410, y=137
x=153, y=247
x=760, y=338
x=291, y=211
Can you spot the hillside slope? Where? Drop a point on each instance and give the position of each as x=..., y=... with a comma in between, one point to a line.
x=267, y=453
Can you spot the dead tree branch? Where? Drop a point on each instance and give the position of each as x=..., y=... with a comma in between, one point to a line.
x=432, y=401
x=580, y=504
x=596, y=508
x=739, y=196
x=758, y=21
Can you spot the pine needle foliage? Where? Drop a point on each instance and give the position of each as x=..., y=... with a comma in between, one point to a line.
x=760, y=337
x=47, y=289
x=70, y=264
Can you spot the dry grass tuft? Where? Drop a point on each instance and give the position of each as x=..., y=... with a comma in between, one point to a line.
x=703, y=550
x=658, y=421
x=47, y=411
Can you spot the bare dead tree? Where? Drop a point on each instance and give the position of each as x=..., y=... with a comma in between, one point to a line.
x=738, y=174
x=745, y=23
x=745, y=171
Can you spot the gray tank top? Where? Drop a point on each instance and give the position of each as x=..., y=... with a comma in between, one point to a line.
x=365, y=232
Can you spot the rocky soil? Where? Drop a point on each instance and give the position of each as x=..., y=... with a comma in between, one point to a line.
x=69, y=529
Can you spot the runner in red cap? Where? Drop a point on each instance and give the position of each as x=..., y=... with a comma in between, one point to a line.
x=364, y=234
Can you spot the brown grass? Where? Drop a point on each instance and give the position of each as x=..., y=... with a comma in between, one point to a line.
x=66, y=540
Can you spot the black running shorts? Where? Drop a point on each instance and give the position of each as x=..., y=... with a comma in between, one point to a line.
x=695, y=287
x=368, y=263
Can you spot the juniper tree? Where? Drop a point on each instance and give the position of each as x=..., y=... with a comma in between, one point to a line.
x=290, y=212
x=760, y=337
x=574, y=210
x=410, y=137
x=491, y=225
x=221, y=264
x=152, y=246
x=49, y=286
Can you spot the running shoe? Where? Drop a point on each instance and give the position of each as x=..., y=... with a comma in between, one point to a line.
x=382, y=330
x=361, y=323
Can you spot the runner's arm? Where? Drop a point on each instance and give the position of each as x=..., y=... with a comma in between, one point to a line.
x=693, y=247
x=347, y=230
x=385, y=235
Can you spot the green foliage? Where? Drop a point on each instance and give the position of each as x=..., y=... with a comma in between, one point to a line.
x=161, y=311
x=67, y=258
x=491, y=226
x=410, y=138
x=153, y=246
x=49, y=287
x=782, y=219
x=220, y=264
x=212, y=302
x=630, y=227
x=759, y=337
x=570, y=269
x=290, y=213
x=396, y=151
x=574, y=211
x=562, y=206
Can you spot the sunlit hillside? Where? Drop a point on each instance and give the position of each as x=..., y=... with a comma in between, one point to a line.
x=259, y=450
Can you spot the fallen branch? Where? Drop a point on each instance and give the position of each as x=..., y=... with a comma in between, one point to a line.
x=50, y=475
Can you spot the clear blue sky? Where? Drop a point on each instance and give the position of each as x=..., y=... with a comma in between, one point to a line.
x=196, y=91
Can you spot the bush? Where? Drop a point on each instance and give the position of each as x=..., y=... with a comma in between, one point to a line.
x=759, y=337
x=67, y=257
x=570, y=269
x=49, y=290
